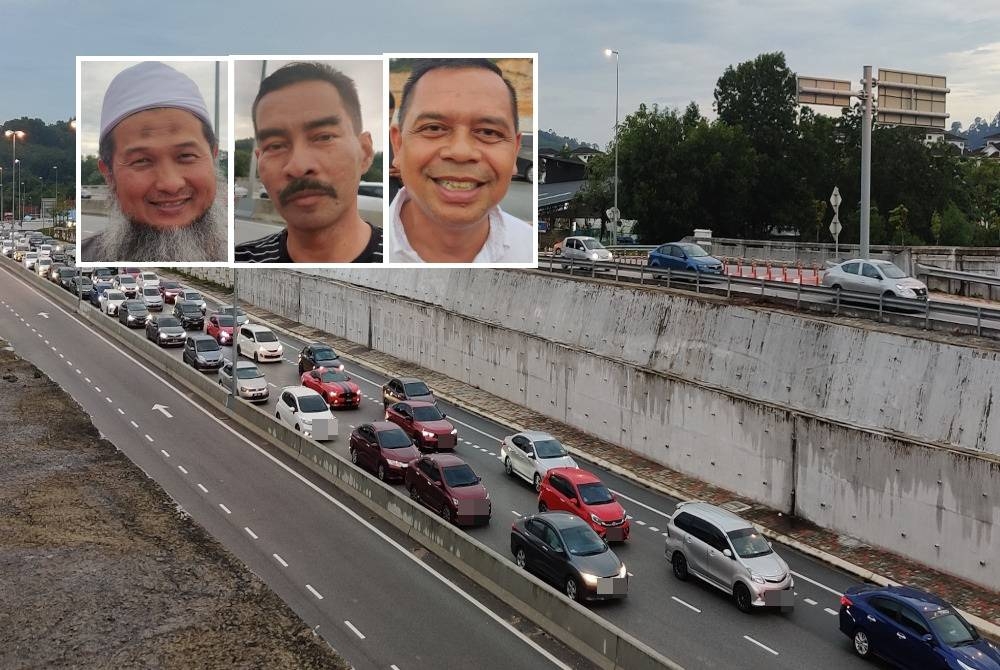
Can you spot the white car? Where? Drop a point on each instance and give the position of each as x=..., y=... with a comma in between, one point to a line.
x=300, y=408
x=30, y=259
x=240, y=191
x=250, y=381
x=42, y=266
x=531, y=454
x=370, y=202
x=148, y=279
x=190, y=295
x=111, y=300
x=876, y=277
x=259, y=343
x=579, y=248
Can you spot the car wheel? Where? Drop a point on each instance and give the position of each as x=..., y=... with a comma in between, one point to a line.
x=529, y=174
x=413, y=493
x=744, y=601
x=836, y=287
x=862, y=645
x=447, y=514
x=889, y=294
x=297, y=428
x=680, y=566
x=572, y=589
x=354, y=456
x=277, y=415
x=508, y=467
x=255, y=358
x=521, y=558
x=538, y=482
x=381, y=472
x=542, y=507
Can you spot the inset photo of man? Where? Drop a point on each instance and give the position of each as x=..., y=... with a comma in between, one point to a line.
x=457, y=137
x=150, y=138
x=309, y=167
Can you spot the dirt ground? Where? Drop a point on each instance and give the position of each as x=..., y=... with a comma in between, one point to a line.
x=100, y=569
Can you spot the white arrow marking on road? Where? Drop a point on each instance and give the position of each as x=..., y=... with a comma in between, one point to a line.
x=44, y=315
x=163, y=408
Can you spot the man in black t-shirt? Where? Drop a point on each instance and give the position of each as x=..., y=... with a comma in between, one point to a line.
x=311, y=153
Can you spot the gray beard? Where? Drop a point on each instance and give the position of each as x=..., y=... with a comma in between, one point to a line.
x=202, y=241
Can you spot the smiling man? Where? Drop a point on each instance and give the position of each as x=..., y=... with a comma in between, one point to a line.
x=311, y=154
x=157, y=153
x=456, y=142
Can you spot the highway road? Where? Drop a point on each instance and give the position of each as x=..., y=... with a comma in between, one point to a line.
x=669, y=615
x=366, y=589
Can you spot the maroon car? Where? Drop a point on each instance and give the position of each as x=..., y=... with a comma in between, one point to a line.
x=220, y=326
x=170, y=289
x=337, y=388
x=383, y=448
x=424, y=423
x=446, y=484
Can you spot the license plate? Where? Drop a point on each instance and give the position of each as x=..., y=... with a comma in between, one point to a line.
x=783, y=598
x=615, y=534
x=610, y=586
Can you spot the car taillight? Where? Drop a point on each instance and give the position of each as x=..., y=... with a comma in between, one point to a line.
x=845, y=601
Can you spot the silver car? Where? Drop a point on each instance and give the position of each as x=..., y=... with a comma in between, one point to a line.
x=874, y=276
x=580, y=248
x=151, y=298
x=726, y=551
x=530, y=454
x=250, y=381
x=190, y=295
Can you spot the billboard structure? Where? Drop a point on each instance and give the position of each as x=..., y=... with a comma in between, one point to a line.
x=911, y=99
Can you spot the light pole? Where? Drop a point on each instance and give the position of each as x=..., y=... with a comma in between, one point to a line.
x=55, y=207
x=13, y=189
x=2, y=216
x=13, y=135
x=616, y=213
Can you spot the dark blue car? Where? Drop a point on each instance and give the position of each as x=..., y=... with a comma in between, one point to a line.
x=684, y=256
x=99, y=288
x=911, y=628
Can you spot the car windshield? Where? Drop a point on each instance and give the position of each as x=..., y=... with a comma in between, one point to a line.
x=192, y=295
x=248, y=372
x=582, y=541
x=549, y=449
x=151, y=292
x=427, y=413
x=457, y=476
x=148, y=276
x=951, y=629
x=169, y=284
x=324, y=354
x=393, y=439
x=693, y=250
x=333, y=376
x=167, y=322
x=589, y=243
x=229, y=310
x=891, y=270
x=225, y=320
x=135, y=307
x=126, y=280
x=266, y=336
x=415, y=389
x=748, y=543
x=115, y=295
x=595, y=494
x=312, y=403
x=206, y=345
x=191, y=308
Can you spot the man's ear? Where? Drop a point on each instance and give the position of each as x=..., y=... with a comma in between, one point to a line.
x=517, y=150
x=395, y=138
x=106, y=173
x=215, y=152
x=369, y=151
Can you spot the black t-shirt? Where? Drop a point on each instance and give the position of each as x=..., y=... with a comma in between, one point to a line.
x=274, y=249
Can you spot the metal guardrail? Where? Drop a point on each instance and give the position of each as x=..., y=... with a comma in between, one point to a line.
x=926, y=314
x=957, y=275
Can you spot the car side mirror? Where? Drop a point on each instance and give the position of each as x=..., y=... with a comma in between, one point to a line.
x=443, y=415
x=575, y=502
x=440, y=484
x=294, y=411
x=727, y=553
x=929, y=639
x=531, y=455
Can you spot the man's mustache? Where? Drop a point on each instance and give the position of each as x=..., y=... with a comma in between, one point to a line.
x=300, y=185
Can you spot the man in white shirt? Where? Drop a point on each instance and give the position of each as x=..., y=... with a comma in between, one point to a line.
x=456, y=142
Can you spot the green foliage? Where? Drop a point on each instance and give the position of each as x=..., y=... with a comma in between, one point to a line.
x=374, y=173
x=955, y=227
x=936, y=227
x=897, y=223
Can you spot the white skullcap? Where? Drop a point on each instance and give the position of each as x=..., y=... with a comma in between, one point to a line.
x=150, y=85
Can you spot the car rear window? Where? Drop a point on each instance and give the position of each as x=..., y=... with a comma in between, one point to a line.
x=312, y=403
x=457, y=476
x=416, y=388
x=206, y=345
x=595, y=494
x=393, y=439
x=427, y=414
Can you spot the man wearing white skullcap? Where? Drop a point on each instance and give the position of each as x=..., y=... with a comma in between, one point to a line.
x=157, y=153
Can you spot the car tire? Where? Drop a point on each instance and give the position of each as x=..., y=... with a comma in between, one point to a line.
x=414, y=496
x=277, y=415
x=862, y=645
x=447, y=514
x=744, y=601
x=381, y=472
x=836, y=287
x=529, y=174
x=538, y=482
x=521, y=558
x=354, y=456
x=889, y=294
x=256, y=359
x=680, y=566
x=542, y=507
x=508, y=467
x=572, y=588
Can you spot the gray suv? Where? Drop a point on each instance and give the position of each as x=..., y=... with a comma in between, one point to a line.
x=726, y=551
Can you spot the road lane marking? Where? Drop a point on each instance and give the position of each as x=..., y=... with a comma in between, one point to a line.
x=69, y=362
x=319, y=596
x=121, y=411
x=642, y=504
x=148, y=437
x=97, y=388
x=86, y=379
x=815, y=583
x=61, y=356
x=830, y=611
x=762, y=646
x=250, y=532
x=134, y=424
x=809, y=601
x=224, y=508
x=203, y=489
x=162, y=451
x=279, y=559
x=353, y=628
x=641, y=523
x=654, y=529
x=78, y=371
x=181, y=468
x=107, y=398
x=515, y=513
x=688, y=605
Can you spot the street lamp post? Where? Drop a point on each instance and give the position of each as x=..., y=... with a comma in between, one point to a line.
x=55, y=207
x=13, y=135
x=617, y=213
x=41, y=193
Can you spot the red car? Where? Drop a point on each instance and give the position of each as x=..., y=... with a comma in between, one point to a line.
x=424, y=423
x=220, y=326
x=170, y=289
x=446, y=484
x=381, y=447
x=337, y=388
x=581, y=493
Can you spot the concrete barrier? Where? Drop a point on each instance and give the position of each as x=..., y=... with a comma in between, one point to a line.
x=601, y=642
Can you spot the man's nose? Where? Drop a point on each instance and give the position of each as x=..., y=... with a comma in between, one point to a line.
x=301, y=162
x=461, y=145
x=169, y=178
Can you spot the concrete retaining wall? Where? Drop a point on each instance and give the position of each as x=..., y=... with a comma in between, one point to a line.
x=744, y=398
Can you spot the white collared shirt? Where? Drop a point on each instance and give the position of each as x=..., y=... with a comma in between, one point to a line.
x=511, y=240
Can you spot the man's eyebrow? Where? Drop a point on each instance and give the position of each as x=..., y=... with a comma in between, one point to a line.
x=191, y=144
x=267, y=133
x=490, y=120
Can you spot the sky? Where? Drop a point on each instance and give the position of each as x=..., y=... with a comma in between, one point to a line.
x=672, y=51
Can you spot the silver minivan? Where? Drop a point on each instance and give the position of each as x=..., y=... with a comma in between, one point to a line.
x=727, y=552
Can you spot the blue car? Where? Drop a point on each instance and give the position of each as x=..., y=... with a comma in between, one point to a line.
x=684, y=256
x=99, y=288
x=911, y=628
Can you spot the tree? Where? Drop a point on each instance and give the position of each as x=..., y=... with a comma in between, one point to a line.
x=936, y=227
x=955, y=227
x=897, y=222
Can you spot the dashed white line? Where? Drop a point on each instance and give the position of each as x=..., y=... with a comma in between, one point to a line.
x=515, y=513
x=815, y=583
x=319, y=596
x=162, y=451
x=134, y=424
x=121, y=411
x=830, y=611
x=354, y=629
x=654, y=529
x=640, y=522
x=493, y=454
x=224, y=508
x=97, y=388
x=148, y=437
x=203, y=489
x=809, y=601
x=688, y=605
x=69, y=362
x=86, y=379
x=62, y=356
x=279, y=559
x=181, y=468
x=108, y=399
x=393, y=667
x=78, y=371
x=762, y=646
x=250, y=532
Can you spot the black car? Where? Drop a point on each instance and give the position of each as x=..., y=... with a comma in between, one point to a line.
x=405, y=388
x=202, y=352
x=66, y=277
x=53, y=272
x=563, y=549
x=81, y=286
x=103, y=273
x=133, y=314
x=319, y=355
x=165, y=330
x=189, y=314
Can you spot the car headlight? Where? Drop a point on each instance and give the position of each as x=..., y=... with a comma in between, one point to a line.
x=756, y=578
x=130, y=318
x=426, y=433
x=589, y=579
x=487, y=495
x=593, y=256
x=163, y=336
x=596, y=519
x=201, y=359
x=904, y=289
x=455, y=501
x=611, y=256
x=396, y=464
x=454, y=431
x=623, y=571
